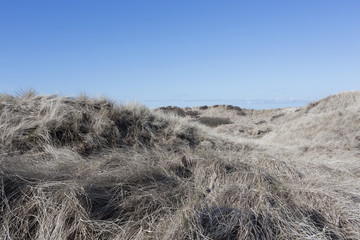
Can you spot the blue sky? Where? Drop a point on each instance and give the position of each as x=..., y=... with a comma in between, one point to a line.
x=182, y=53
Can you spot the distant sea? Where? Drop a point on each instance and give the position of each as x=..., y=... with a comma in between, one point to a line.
x=257, y=104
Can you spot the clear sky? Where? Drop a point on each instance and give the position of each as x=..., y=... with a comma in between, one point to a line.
x=187, y=52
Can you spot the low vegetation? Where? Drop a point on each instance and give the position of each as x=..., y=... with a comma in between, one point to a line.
x=203, y=107
x=173, y=109
x=84, y=168
x=193, y=114
x=214, y=121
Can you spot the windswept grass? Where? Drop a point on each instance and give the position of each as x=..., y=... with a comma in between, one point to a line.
x=83, y=168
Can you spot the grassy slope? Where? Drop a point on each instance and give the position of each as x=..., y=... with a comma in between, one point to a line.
x=80, y=168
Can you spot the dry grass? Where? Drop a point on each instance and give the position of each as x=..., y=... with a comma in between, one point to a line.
x=81, y=168
x=213, y=121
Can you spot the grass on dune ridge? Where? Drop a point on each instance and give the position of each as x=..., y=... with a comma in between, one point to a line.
x=85, y=168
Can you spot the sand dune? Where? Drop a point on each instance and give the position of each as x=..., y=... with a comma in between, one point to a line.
x=83, y=168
